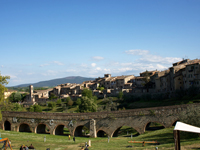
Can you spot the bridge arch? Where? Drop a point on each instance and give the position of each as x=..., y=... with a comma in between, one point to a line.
x=153, y=125
x=80, y=130
x=101, y=133
x=174, y=122
x=42, y=128
x=24, y=127
x=116, y=131
x=60, y=130
x=7, y=125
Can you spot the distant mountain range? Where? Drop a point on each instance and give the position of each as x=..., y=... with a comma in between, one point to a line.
x=55, y=82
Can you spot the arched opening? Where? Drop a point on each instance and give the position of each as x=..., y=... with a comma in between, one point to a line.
x=152, y=126
x=42, y=129
x=125, y=131
x=174, y=123
x=62, y=130
x=82, y=131
x=7, y=125
x=101, y=133
x=24, y=128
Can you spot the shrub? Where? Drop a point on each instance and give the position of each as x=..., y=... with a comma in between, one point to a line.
x=51, y=105
x=59, y=101
x=35, y=108
x=78, y=101
x=70, y=102
x=68, y=99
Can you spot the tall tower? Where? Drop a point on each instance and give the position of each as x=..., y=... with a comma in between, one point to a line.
x=32, y=99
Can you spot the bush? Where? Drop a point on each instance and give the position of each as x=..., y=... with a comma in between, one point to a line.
x=78, y=101
x=87, y=93
x=52, y=96
x=59, y=101
x=87, y=105
x=70, y=102
x=68, y=99
x=120, y=95
x=51, y=105
x=35, y=108
x=17, y=107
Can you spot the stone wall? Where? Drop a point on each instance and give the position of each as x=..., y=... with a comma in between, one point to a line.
x=108, y=122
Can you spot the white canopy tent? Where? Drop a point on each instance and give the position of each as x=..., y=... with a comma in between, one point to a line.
x=186, y=127
x=182, y=127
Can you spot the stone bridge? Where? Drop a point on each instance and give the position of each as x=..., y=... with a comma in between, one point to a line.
x=98, y=123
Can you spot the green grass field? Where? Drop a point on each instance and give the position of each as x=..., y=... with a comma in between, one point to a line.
x=164, y=136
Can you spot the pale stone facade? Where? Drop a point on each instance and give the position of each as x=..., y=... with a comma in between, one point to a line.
x=181, y=75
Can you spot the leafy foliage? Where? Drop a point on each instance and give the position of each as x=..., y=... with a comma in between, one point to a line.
x=70, y=102
x=120, y=95
x=100, y=88
x=59, y=101
x=35, y=108
x=87, y=105
x=52, y=96
x=17, y=97
x=68, y=99
x=3, y=82
x=78, y=101
x=17, y=107
x=87, y=93
x=51, y=105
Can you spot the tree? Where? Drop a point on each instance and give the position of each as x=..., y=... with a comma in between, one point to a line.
x=17, y=107
x=17, y=97
x=70, y=102
x=59, y=101
x=23, y=96
x=87, y=93
x=68, y=99
x=120, y=95
x=52, y=96
x=78, y=101
x=3, y=82
x=146, y=78
x=35, y=108
x=87, y=105
x=51, y=105
x=100, y=88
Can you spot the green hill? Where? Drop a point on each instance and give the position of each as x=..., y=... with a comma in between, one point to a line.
x=55, y=82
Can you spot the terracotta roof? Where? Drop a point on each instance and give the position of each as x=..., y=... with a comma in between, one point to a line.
x=195, y=61
x=111, y=79
x=123, y=77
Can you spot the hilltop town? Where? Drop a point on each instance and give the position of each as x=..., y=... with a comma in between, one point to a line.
x=180, y=76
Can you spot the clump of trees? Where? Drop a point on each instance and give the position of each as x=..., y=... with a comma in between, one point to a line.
x=17, y=97
x=52, y=96
x=51, y=105
x=3, y=82
x=35, y=108
x=87, y=103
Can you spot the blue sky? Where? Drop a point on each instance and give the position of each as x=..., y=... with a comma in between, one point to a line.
x=48, y=39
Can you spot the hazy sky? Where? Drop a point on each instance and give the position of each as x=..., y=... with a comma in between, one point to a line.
x=48, y=39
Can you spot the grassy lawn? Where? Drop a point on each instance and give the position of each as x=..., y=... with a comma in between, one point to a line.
x=164, y=136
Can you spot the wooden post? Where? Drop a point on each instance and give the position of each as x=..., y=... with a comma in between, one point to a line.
x=177, y=140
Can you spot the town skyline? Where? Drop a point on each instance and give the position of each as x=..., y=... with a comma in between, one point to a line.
x=47, y=40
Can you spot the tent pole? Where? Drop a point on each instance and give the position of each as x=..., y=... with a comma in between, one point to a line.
x=177, y=139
